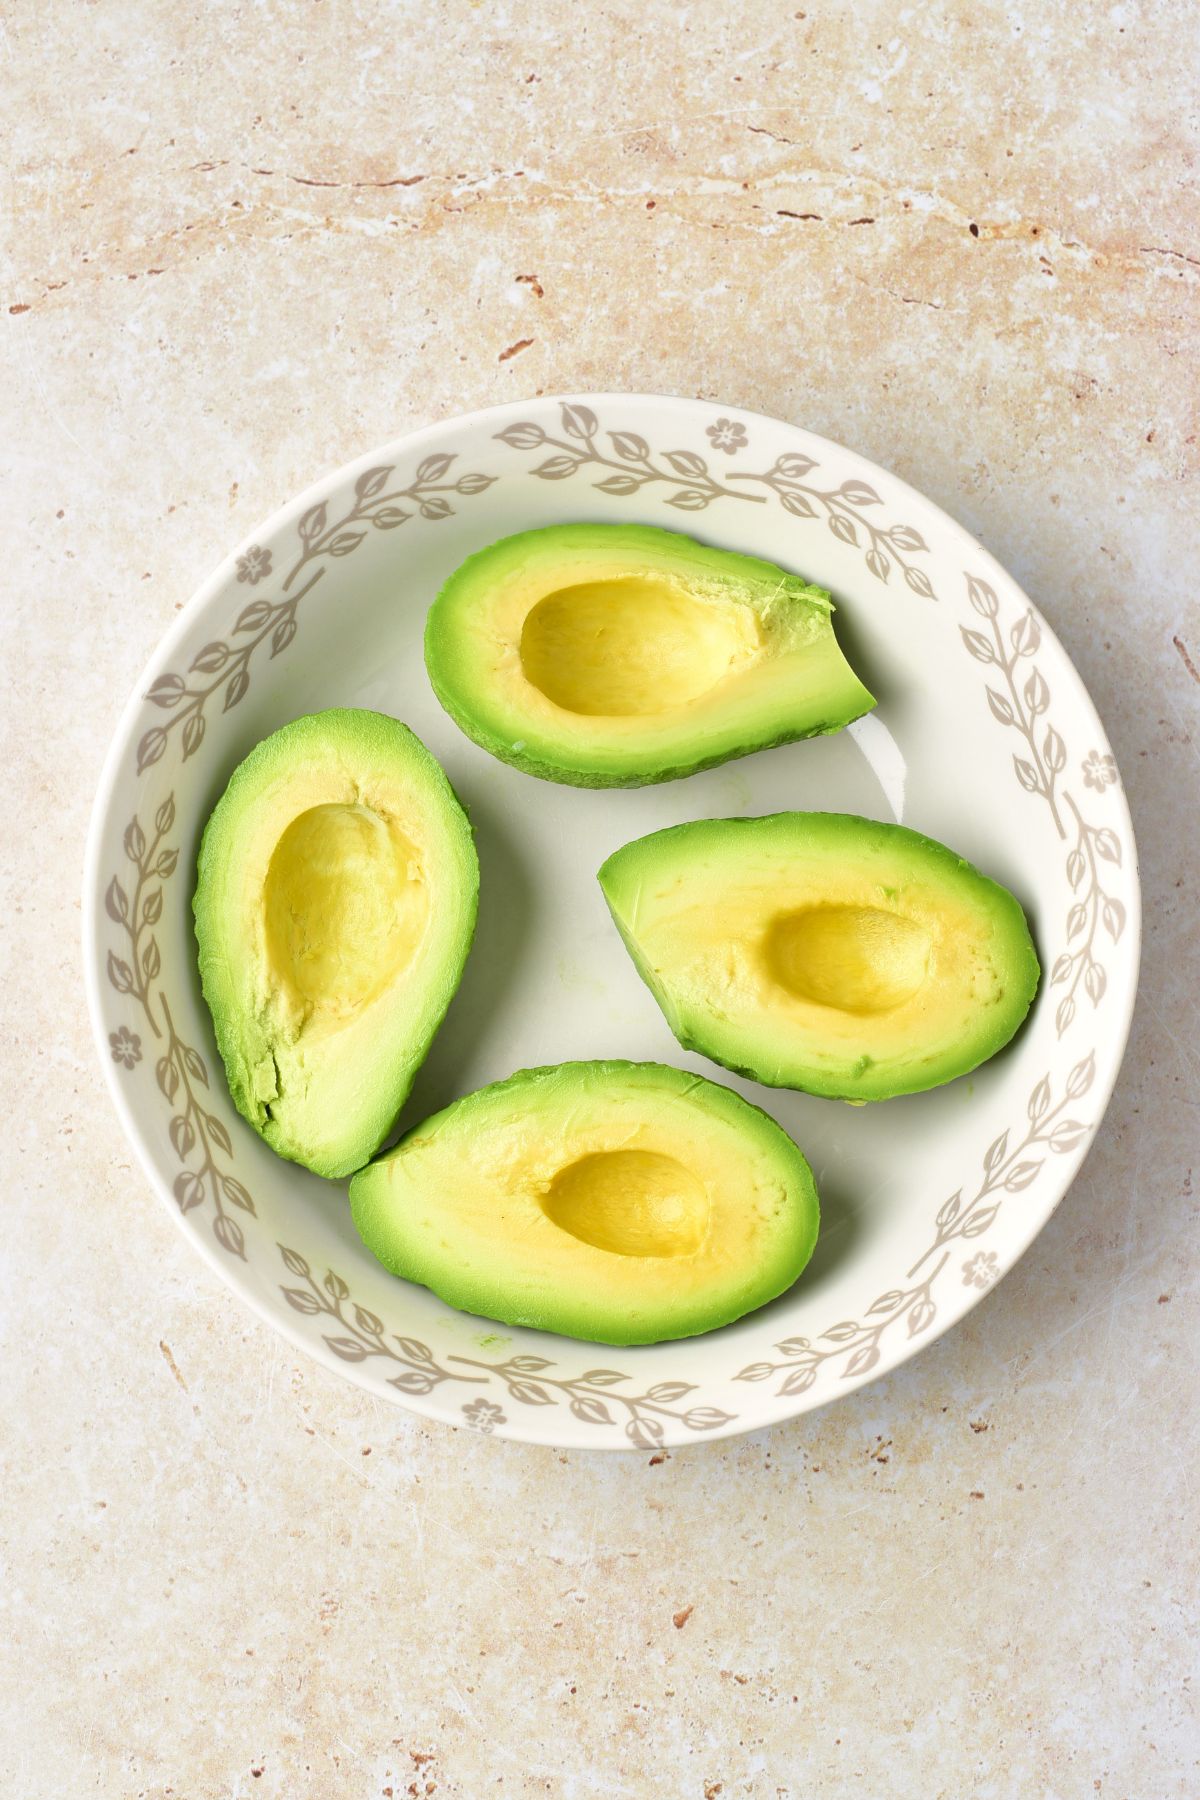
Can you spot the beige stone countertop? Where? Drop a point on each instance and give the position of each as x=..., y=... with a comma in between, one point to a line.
x=245, y=243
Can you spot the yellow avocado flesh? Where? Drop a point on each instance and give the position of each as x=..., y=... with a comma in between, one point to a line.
x=823, y=952
x=630, y=647
x=607, y=656
x=345, y=904
x=617, y=1202
x=335, y=902
x=853, y=959
x=629, y=1202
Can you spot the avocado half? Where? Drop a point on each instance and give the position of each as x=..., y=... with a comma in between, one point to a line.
x=335, y=904
x=619, y=655
x=823, y=951
x=613, y=1201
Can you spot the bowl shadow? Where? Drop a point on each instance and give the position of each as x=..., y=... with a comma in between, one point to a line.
x=505, y=924
x=853, y=643
x=842, y=1227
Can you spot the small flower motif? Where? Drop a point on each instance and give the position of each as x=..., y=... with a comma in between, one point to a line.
x=126, y=1046
x=981, y=1269
x=1099, y=771
x=727, y=435
x=483, y=1415
x=254, y=566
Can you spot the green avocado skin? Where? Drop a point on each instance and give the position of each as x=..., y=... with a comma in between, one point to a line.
x=529, y=763
x=561, y=752
x=662, y=857
x=333, y=1109
x=416, y=1236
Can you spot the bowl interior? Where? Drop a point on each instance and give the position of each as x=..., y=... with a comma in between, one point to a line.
x=983, y=737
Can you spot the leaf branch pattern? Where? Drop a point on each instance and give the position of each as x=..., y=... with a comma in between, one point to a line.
x=180, y=1071
x=632, y=462
x=858, y=1341
x=382, y=508
x=593, y=1397
x=181, y=1074
x=842, y=510
x=1021, y=706
x=1095, y=907
x=634, y=466
x=226, y=662
x=1009, y=1168
x=139, y=912
x=361, y=1334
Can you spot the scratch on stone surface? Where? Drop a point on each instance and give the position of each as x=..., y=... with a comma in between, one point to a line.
x=775, y=136
x=596, y=1780
x=878, y=287
x=589, y=1556
x=172, y=1364
x=318, y=181
x=1130, y=1212
x=459, y=183
x=395, y=181
x=1153, y=250
x=1188, y=664
x=355, y=1468
x=1042, y=1351
x=175, y=1371
x=906, y=1586
x=418, y=1520
x=1187, y=1054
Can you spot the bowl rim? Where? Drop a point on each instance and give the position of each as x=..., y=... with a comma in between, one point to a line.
x=773, y=1409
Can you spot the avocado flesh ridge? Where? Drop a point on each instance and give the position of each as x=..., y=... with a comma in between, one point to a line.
x=604, y=655
x=616, y=1202
x=824, y=952
x=335, y=903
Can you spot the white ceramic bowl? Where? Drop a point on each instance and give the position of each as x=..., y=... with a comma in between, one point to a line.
x=984, y=737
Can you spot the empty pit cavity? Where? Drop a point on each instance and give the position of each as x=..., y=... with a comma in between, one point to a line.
x=345, y=908
x=857, y=959
x=626, y=647
x=629, y=1202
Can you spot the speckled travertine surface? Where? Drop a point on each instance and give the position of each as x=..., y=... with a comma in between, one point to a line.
x=245, y=243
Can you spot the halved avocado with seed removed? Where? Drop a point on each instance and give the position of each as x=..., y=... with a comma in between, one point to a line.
x=823, y=951
x=613, y=1201
x=618, y=655
x=335, y=905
